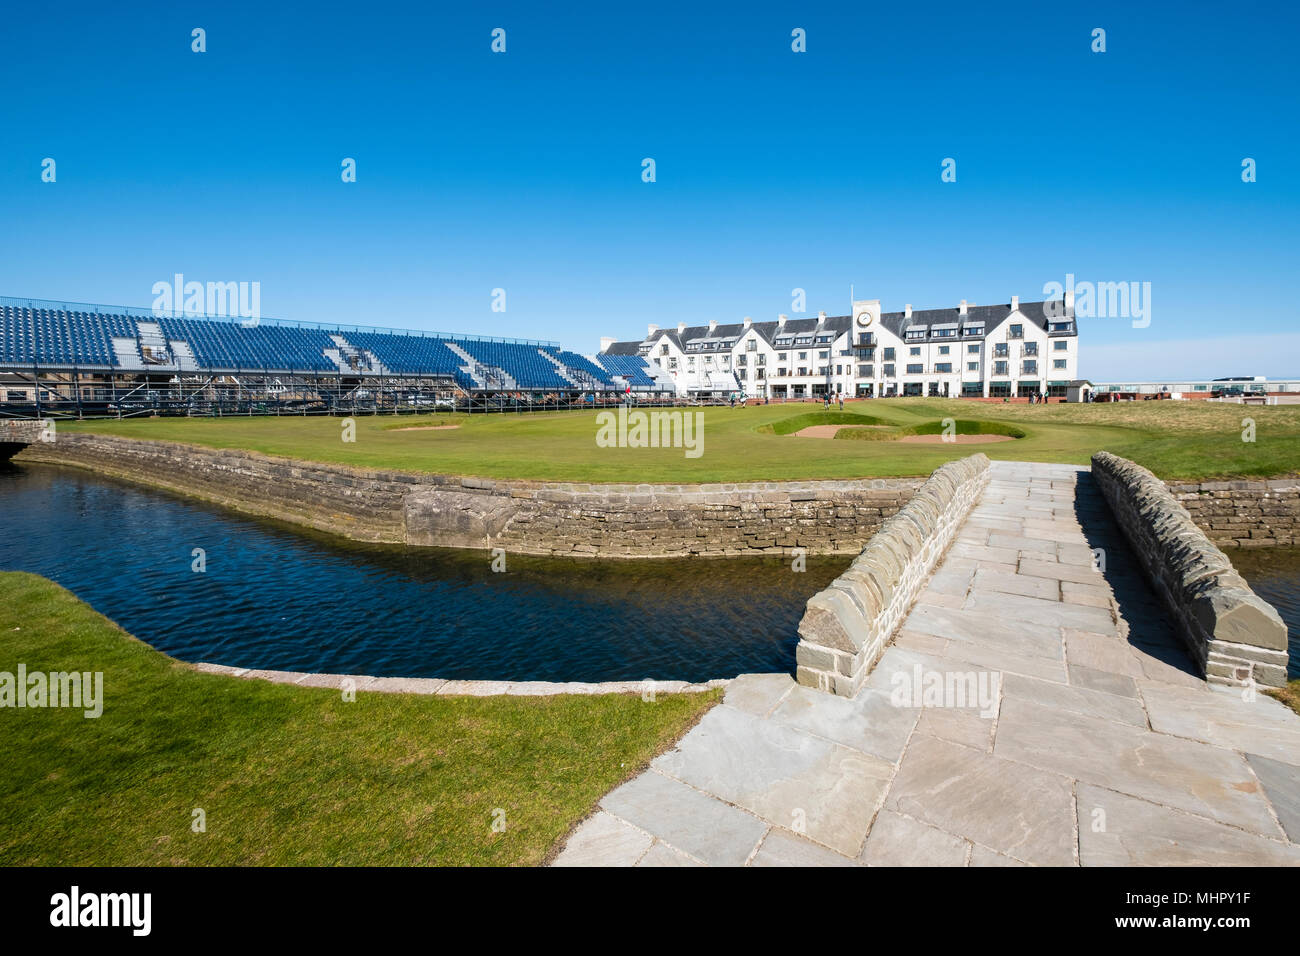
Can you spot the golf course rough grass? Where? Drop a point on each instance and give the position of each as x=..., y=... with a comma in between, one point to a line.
x=1176, y=440
x=291, y=775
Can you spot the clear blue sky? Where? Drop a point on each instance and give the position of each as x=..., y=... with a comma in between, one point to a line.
x=775, y=170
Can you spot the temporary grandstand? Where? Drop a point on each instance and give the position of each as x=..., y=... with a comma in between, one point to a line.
x=75, y=359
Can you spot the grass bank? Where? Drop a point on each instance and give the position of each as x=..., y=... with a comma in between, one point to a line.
x=290, y=775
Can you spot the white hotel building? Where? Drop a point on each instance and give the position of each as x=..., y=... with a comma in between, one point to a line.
x=976, y=351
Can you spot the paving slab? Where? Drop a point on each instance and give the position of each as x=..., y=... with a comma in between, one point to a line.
x=1075, y=700
x=958, y=725
x=897, y=840
x=700, y=825
x=1133, y=832
x=661, y=854
x=1262, y=726
x=1100, y=652
x=988, y=630
x=869, y=722
x=785, y=776
x=1281, y=782
x=1105, y=681
x=1012, y=808
x=758, y=694
x=604, y=840
x=782, y=848
x=1031, y=610
x=1184, y=774
x=1004, y=583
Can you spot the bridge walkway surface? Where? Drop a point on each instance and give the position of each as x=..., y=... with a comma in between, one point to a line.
x=1086, y=736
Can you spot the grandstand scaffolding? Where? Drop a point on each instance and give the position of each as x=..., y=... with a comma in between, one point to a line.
x=64, y=359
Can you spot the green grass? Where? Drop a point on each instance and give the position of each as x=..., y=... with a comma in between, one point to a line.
x=1289, y=695
x=1176, y=440
x=290, y=775
x=795, y=423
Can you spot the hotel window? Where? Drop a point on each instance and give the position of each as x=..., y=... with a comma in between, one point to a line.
x=972, y=366
x=839, y=370
x=889, y=355
x=1060, y=345
x=1031, y=348
x=864, y=371
x=663, y=350
x=825, y=353
x=762, y=359
x=915, y=369
x=1001, y=350
x=943, y=367
x=888, y=371
x=803, y=370
x=741, y=360
x=690, y=361
x=1016, y=332
x=751, y=345
x=1059, y=363
x=943, y=350
x=973, y=330
x=803, y=356
x=973, y=349
x=672, y=364
x=914, y=350
x=999, y=368
x=1031, y=368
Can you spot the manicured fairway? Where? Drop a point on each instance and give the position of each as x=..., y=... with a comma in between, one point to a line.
x=291, y=775
x=1173, y=439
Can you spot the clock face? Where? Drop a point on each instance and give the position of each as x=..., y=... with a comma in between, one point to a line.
x=864, y=318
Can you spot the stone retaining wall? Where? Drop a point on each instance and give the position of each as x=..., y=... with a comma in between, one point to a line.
x=1232, y=634
x=523, y=517
x=845, y=627
x=1244, y=514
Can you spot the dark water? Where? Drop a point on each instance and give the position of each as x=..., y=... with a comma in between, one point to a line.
x=277, y=598
x=1274, y=574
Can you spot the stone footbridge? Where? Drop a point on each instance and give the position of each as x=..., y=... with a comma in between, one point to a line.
x=1027, y=709
x=17, y=434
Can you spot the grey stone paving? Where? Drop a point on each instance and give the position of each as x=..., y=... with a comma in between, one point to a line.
x=1098, y=743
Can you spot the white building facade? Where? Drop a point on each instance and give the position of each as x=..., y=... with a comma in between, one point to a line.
x=1008, y=350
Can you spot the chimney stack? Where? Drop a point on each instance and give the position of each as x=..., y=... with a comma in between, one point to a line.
x=1069, y=302
x=1015, y=303
x=821, y=317
x=907, y=311
x=681, y=327
x=651, y=330
x=780, y=320
x=748, y=321
x=713, y=324
x=961, y=309
x=605, y=342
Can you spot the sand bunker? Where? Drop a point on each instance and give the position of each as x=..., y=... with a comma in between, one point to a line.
x=954, y=439
x=828, y=431
x=425, y=428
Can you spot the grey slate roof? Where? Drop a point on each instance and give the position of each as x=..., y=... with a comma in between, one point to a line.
x=990, y=315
